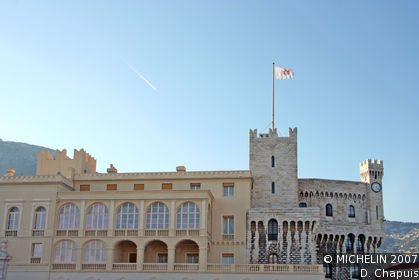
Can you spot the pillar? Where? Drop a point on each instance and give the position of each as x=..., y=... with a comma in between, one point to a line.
x=111, y=218
x=172, y=218
x=140, y=256
x=141, y=220
x=170, y=257
x=203, y=257
x=81, y=221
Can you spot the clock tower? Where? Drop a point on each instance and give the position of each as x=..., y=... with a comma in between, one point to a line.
x=371, y=172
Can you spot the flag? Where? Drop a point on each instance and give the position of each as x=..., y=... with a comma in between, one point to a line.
x=283, y=73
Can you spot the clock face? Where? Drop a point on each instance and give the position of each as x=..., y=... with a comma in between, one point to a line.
x=376, y=187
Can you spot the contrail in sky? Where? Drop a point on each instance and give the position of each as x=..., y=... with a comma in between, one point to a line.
x=141, y=76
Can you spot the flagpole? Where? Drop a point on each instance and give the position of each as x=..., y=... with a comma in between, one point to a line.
x=273, y=96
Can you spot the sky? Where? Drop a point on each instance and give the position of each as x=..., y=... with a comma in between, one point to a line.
x=150, y=85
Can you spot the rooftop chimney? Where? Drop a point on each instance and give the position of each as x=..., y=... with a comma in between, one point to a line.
x=112, y=169
x=10, y=172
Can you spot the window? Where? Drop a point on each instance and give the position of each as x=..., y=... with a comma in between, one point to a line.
x=69, y=217
x=376, y=211
x=302, y=204
x=329, y=210
x=157, y=216
x=13, y=221
x=84, y=188
x=65, y=252
x=273, y=161
x=111, y=187
x=228, y=258
x=192, y=258
x=40, y=217
x=166, y=186
x=273, y=258
x=138, y=187
x=351, y=211
x=95, y=252
x=195, y=186
x=188, y=216
x=327, y=268
x=97, y=217
x=273, y=187
x=355, y=271
x=37, y=250
x=162, y=258
x=127, y=217
x=349, y=244
x=359, y=245
x=228, y=225
x=228, y=189
x=273, y=230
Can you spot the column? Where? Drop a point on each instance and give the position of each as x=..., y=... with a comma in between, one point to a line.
x=81, y=221
x=204, y=226
x=79, y=256
x=109, y=258
x=140, y=256
x=203, y=256
x=170, y=257
x=141, y=220
x=111, y=217
x=172, y=218
x=289, y=242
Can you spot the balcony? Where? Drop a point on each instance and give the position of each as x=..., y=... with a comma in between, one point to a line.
x=69, y=233
x=35, y=260
x=126, y=232
x=156, y=232
x=38, y=232
x=187, y=232
x=11, y=233
x=194, y=267
x=96, y=233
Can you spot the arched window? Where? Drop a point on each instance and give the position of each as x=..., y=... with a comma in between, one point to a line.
x=349, y=243
x=273, y=258
x=188, y=216
x=327, y=268
x=97, y=217
x=127, y=217
x=40, y=218
x=273, y=187
x=65, y=252
x=273, y=230
x=359, y=244
x=157, y=216
x=329, y=210
x=95, y=252
x=273, y=161
x=69, y=217
x=355, y=273
x=13, y=219
x=351, y=211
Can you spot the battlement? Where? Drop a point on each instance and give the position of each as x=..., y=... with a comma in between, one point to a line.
x=272, y=133
x=82, y=162
x=371, y=164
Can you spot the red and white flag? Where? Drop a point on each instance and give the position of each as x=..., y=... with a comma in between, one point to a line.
x=283, y=73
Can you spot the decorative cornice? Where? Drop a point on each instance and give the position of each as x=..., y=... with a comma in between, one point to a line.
x=36, y=179
x=239, y=174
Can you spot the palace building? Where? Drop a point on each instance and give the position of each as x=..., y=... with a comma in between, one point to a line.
x=70, y=222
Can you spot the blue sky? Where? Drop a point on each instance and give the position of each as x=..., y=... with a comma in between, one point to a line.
x=65, y=83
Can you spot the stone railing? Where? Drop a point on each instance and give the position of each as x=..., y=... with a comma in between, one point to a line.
x=194, y=267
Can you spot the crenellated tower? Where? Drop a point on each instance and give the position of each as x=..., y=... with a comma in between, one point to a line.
x=82, y=162
x=371, y=172
x=273, y=163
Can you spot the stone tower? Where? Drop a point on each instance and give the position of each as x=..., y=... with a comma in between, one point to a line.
x=371, y=172
x=273, y=163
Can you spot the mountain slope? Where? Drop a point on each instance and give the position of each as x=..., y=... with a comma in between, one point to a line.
x=20, y=156
x=401, y=237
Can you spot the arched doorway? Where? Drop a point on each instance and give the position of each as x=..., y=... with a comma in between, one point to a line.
x=155, y=252
x=125, y=252
x=187, y=251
